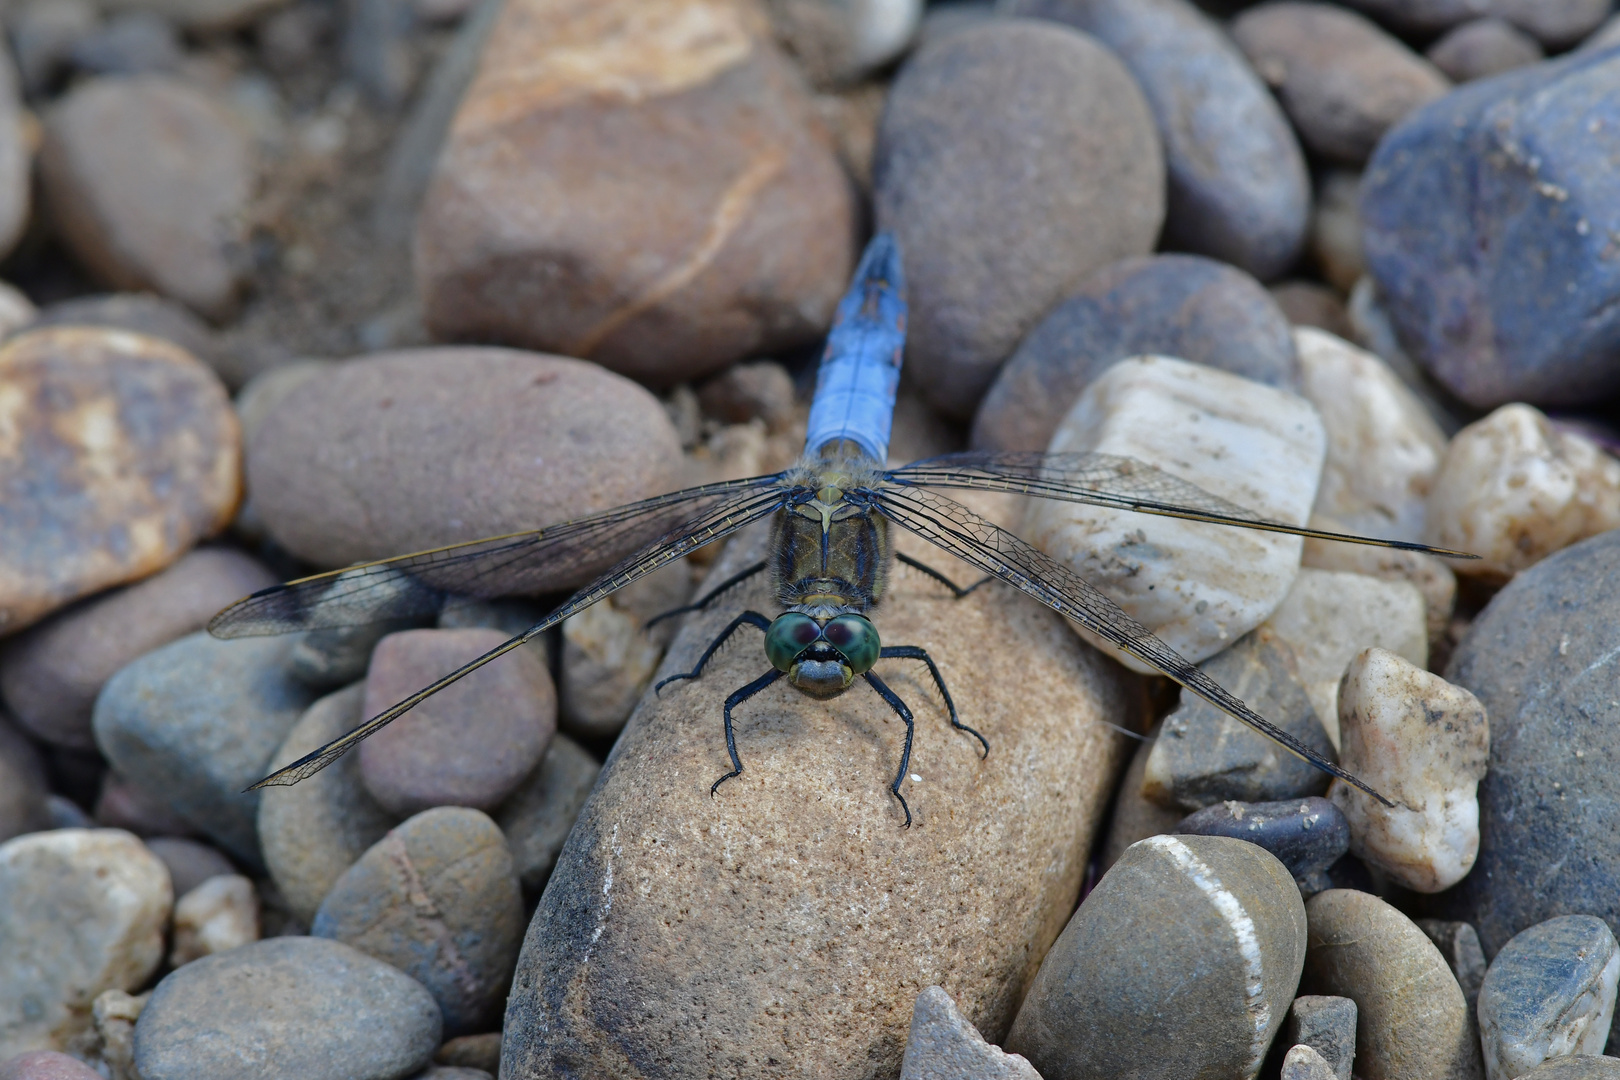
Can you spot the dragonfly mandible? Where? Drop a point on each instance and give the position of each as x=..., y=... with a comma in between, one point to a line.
x=830, y=552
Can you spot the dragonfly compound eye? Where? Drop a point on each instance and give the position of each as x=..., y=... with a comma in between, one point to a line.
x=856, y=638
x=788, y=636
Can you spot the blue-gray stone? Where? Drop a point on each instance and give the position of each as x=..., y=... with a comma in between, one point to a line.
x=1490, y=221
x=1184, y=306
x=195, y=722
x=286, y=1007
x=1549, y=991
x=1238, y=188
x=1307, y=835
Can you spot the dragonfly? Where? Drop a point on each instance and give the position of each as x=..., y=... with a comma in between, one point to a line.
x=831, y=551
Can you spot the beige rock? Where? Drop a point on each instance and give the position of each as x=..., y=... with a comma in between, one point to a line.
x=119, y=453
x=1431, y=576
x=540, y=229
x=1335, y=235
x=609, y=656
x=218, y=915
x=1303, y=1063
x=830, y=917
x=113, y=1017
x=16, y=310
x=1423, y=743
x=1199, y=587
x=1513, y=489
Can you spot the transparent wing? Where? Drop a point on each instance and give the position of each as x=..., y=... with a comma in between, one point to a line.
x=982, y=543
x=528, y=563
x=707, y=526
x=1121, y=483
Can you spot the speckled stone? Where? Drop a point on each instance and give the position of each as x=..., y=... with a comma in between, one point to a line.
x=1228, y=934
x=1481, y=48
x=1328, y=1026
x=1549, y=993
x=540, y=814
x=1306, y=835
x=1304, y=1063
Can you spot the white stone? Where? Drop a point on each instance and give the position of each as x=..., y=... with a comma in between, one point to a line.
x=1330, y=616
x=1199, y=587
x=1424, y=744
x=1513, y=489
x=16, y=310
x=838, y=41
x=81, y=911
x=1383, y=448
x=219, y=915
x=942, y=1045
x=1432, y=576
x=1304, y=1063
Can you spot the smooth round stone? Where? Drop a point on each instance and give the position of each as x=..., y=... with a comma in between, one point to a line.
x=760, y=390
x=472, y=743
x=1306, y=835
x=774, y=869
x=23, y=790
x=81, y=911
x=836, y=42
x=131, y=43
x=217, y=916
x=314, y=830
x=1327, y=1025
x=1451, y=263
x=123, y=454
x=1228, y=937
x=124, y=804
x=46, y=1065
x=944, y=1045
x=404, y=451
x=438, y=898
x=537, y=229
x=1482, y=48
x=1183, y=306
x=143, y=313
x=538, y=817
x=201, y=16
x=1458, y=942
x=1308, y=304
x=112, y=175
x=1576, y=1068
x=1549, y=993
x=51, y=673
x=1412, y=1022
x=1422, y=743
x=16, y=158
x=288, y=1006
x=1341, y=79
x=481, y=1051
x=988, y=249
x=1555, y=23
x=1134, y=816
x=190, y=863
x=195, y=722
x=1604, y=36
x=1238, y=190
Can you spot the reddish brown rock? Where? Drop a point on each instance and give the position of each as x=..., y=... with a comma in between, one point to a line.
x=118, y=453
x=645, y=186
x=404, y=451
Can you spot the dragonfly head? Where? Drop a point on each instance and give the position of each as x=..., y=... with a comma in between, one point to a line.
x=822, y=657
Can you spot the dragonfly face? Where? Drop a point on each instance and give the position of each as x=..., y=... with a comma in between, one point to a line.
x=822, y=658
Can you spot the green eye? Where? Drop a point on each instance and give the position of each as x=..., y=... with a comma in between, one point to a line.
x=788, y=637
x=856, y=638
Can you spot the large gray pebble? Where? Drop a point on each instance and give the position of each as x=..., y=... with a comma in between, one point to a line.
x=1238, y=187
x=287, y=1007
x=943, y=1045
x=540, y=814
x=195, y=722
x=1549, y=993
x=988, y=246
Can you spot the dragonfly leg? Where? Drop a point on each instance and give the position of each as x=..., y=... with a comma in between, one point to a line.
x=737, y=697
x=913, y=652
x=701, y=605
x=747, y=618
x=911, y=728
x=956, y=590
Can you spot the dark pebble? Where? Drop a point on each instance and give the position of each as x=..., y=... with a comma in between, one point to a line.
x=1307, y=835
x=23, y=807
x=1327, y=1025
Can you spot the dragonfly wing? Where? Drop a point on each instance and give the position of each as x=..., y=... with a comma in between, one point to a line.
x=706, y=526
x=1120, y=483
x=982, y=543
x=527, y=563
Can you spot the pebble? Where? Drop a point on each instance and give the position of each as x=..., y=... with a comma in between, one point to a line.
x=64, y=813
x=1306, y=303
x=144, y=313
x=1423, y=743
x=1238, y=189
x=46, y=1065
x=1203, y=756
x=1184, y=306
x=1556, y=23
x=609, y=655
x=481, y=1051
x=190, y=863
x=1604, y=36
x=521, y=237
x=147, y=180
x=1198, y=587
x=761, y=389
x=16, y=310
x=440, y=1072
x=314, y=830
x=1513, y=488
x=1576, y=1068
x=1412, y=1022
x=408, y=450
x=334, y=657
x=1228, y=934
x=1549, y=993
x=944, y=1045
x=1304, y=1063
x=837, y=42
x=124, y=804
x=16, y=157
x=1481, y=48
x=438, y=898
x=1134, y=816
x=132, y=43
x=1327, y=1025
x=1432, y=577
x=287, y=1006
x=42, y=36
x=472, y=743
x=1330, y=616
x=51, y=673
x=1514, y=172
x=1342, y=80
x=196, y=721
x=200, y=16
x=123, y=454
x=1306, y=835
x=538, y=817
x=1458, y=942
x=219, y=915
x=988, y=249
x=81, y=911
x=1541, y=659
x=1335, y=240
x=23, y=790
x=665, y=871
